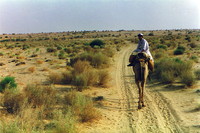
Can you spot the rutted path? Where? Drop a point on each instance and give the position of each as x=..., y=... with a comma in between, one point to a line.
x=157, y=117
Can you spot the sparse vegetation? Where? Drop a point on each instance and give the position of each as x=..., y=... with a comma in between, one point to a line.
x=169, y=70
x=72, y=62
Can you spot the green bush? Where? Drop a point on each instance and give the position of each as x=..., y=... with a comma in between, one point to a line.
x=97, y=42
x=151, y=34
x=179, y=50
x=181, y=47
x=80, y=81
x=169, y=70
x=162, y=46
x=7, y=82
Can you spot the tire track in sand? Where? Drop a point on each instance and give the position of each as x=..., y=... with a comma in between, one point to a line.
x=157, y=117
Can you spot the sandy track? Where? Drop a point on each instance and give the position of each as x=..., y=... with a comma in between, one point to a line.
x=157, y=117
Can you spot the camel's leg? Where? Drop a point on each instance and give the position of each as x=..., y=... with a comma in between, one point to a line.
x=140, y=96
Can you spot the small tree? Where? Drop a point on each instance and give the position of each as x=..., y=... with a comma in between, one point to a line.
x=97, y=42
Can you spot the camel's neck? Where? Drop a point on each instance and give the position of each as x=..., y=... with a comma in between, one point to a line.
x=141, y=71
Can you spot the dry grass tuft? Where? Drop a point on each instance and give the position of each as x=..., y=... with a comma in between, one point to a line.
x=31, y=69
x=55, y=77
x=38, y=95
x=82, y=106
x=81, y=66
x=104, y=78
x=39, y=61
x=13, y=100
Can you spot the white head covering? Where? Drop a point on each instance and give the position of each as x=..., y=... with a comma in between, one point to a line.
x=140, y=34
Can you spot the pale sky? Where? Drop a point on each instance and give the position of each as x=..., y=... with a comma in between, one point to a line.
x=33, y=16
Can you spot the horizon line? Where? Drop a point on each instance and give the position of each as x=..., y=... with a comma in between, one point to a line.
x=98, y=31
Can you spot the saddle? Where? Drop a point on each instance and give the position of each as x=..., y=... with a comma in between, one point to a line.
x=141, y=57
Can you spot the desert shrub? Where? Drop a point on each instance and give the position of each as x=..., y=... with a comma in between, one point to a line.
x=169, y=70
x=172, y=44
x=92, y=77
x=95, y=59
x=151, y=34
x=38, y=95
x=81, y=105
x=118, y=47
x=157, y=54
x=26, y=121
x=181, y=47
x=197, y=74
x=81, y=66
x=99, y=59
x=39, y=61
x=194, y=58
x=31, y=69
x=63, y=123
x=188, y=78
x=68, y=50
x=109, y=52
x=13, y=100
x=61, y=55
x=179, y=50
x=87, y=44
x=192, y=45
x=67, y=77
x=11, y=127
x=188, y=38
x=80, y=81
x=58, y=47
x=7, y=82
x=55, y=77
x=25, y=46
x=104, y=78
x=50, y=50
x=162, y=46
x=167, y=77
x=97, y=42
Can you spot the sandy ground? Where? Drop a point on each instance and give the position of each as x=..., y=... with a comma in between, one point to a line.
x=169, y=109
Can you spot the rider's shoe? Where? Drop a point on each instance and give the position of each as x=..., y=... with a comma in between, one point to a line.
x=131, y=64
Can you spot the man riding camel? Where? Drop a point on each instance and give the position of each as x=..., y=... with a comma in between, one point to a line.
x=143, y=46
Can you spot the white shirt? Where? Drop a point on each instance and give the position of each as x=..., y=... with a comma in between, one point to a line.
x=143, y=45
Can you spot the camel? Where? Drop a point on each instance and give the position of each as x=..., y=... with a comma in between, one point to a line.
x=141, y=73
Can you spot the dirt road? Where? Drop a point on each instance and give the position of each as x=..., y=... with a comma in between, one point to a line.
x=120, y=113
x=157, y=117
